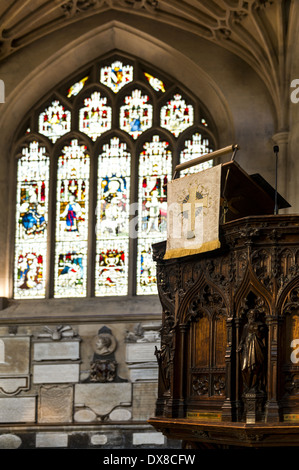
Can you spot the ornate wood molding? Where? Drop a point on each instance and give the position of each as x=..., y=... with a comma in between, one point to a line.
x=234, y=318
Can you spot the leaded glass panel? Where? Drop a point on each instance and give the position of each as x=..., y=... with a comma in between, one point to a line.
x=76, y=87
x=116, y=75
x=95, y=116
x=113, y=219
x=55, y=121
x=72, y=221
x=134, y=110
x=155, y=82
x=176, y=115
x=194, y=148
x=155, y=167
x=136, y=115
x=31, y=222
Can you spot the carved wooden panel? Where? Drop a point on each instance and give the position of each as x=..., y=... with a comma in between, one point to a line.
x=200, y=342
x=219, y=340
x=210, y=297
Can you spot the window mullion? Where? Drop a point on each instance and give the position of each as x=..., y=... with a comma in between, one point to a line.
x=51, y=227
x=93, y=212
x=133, y=224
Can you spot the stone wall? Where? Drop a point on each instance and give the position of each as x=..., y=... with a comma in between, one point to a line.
x=79, y=386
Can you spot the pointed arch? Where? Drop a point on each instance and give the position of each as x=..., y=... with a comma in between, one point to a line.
x=99, y=136
x=251, y=284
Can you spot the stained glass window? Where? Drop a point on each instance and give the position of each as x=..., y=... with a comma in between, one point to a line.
x=72, y=221
x=116, y=75
x=113, y=219
x=76, y=87
x=112, y=107
x=155, y=166
x=194, y=148
x=55, y=121
x=31, y=222
x=95, y=116
x=155, y=82
x=136, y=114
x=176, y=115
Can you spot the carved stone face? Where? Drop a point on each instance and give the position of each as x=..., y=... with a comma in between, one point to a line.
x=104, y=344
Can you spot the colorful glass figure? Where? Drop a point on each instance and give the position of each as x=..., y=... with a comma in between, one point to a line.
x=155, y=166
x=95, y=116
x=71, y=221
x=155, y=82
x=55, y=121
x=194, y=148
x=116, y=75
x=76, y=87
x=176, y=115
x=31, y=222
x=113, y=219
x=136, y=114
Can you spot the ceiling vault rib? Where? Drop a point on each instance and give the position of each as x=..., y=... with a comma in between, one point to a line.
x=244, y=27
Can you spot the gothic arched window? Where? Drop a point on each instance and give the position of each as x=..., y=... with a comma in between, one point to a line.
x=93, y=162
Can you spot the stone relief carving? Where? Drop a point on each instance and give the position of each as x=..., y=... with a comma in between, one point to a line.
x=142, y=334
x=103, y=367
x=104, y=343
x=58, y=332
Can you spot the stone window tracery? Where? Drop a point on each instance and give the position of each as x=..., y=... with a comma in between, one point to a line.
x=92, y=170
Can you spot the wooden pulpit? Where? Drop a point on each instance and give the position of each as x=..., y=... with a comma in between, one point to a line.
x=228, y=363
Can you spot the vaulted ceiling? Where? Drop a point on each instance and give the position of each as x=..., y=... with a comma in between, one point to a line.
x=258, y=31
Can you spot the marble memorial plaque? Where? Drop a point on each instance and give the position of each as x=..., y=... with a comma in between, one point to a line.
x=144, y=400
x=140, y=438
x=10, y=441
x=102, y=398
x=85, y=416
x=55, y=373
x=55, y=404
x=17, y=410
x=143, y=372
x=12, y=385
x=141, y=352
x=51, y=439
x=120, y=414
x=98, y=439
x=14, y=355
x=47, y=351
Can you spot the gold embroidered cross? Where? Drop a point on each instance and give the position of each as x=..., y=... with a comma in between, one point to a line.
x=194, y=201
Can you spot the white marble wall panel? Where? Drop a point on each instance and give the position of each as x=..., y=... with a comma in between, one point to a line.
x=11, y=386
x=51, y=439
x=55, y=373
x=141, y=352
x=14, y=355
x=17, y=410
x=102, y=398
x=63, y=350
x=143, y=438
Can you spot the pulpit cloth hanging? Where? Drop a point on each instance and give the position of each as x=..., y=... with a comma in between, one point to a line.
x=193, y=208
